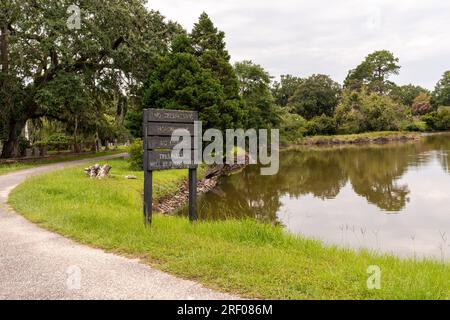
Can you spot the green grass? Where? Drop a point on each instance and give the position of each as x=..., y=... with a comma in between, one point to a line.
x=6, y=168
x=240, y=257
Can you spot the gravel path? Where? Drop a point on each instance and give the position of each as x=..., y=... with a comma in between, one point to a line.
x=38, y=264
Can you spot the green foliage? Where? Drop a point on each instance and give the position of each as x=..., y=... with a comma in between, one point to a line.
x=406, y=94
x=417, y=126
x=315, y=96
x=12, y=96
x=363, y=112
x=438, y=120
x=322, y=125
x=57, y=142
x=136, y=155
x=293, y=128
x=374, y=72
x=441, y=94
x=285, y=89
x=197, y=75
x=206, y=37
x=208, y=45
x=75, y=76
x=133, y=123
x=255, y=91
x=24, y=144
x=179, y=82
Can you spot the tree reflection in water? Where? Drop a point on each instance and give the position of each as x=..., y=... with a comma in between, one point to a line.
x=373, y=172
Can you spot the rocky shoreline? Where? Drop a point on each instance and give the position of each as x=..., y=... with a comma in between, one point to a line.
x=171, y=203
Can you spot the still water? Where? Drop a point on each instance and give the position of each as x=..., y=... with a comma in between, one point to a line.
x=390, y=198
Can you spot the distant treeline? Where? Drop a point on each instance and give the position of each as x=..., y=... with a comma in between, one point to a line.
x=91, y=84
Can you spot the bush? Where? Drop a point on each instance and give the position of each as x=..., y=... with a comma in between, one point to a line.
x=349, y=114
x=438, y=120
x=416, y=126
x=293, y=128
x=136, y=155
x=361, y=112
x=322, y=125
x=421, y=104
x=56, y=142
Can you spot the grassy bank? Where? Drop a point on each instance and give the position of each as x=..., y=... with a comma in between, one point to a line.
x=241, y=257
x=370, y=137
x=8, y=167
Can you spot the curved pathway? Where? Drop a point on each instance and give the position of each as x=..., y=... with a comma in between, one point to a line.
x=38, y=264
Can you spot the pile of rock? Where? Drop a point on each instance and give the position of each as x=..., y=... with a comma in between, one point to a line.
x=171, y=203
x=98, y=171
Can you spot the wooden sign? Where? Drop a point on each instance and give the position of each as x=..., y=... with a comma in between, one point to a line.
x=167, y=129
x=171, y=116
x=155, y=143
x=162, y=160
x=159, y=126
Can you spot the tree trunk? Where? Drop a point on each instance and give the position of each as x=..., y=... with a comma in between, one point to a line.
x=11, y=145
x=75, y=132
x=76, y=146
x=106, y=145
x=4, y=49
x=97, y=142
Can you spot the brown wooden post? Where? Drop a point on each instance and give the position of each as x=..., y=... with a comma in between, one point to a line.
x=148, y=177
x=193, y=214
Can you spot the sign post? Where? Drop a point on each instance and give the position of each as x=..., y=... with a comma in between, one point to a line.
x=158, y=126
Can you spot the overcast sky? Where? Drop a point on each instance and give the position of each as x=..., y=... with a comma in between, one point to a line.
x=329, y=37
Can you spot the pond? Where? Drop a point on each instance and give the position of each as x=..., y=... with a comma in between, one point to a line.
x=392, y=198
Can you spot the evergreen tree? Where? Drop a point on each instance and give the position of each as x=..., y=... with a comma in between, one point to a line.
x=210, y=48
x=441, y=94
x=180, y=82
x=206, y=37
x=374, y=72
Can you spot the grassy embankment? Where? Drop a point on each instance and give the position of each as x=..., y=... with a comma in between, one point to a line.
x=241, y=257
x=8, y=167
x=361, y=138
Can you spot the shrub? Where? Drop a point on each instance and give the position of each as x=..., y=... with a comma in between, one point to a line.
x=322, y=125
x=438, y=120
x=421, y=104
x=349, y=116
x=362, y=112
x=136, y=155
x=57, y=142
x=293, y=128
x=417, y=126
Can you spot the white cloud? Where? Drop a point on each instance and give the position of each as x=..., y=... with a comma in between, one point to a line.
x=331, y=37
